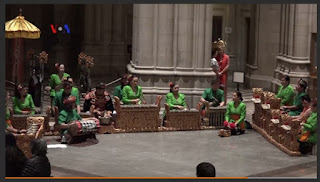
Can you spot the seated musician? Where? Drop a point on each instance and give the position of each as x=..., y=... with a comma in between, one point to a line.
x=22, y=101
x=132, y=93
x=64, y=93
x=306, y=102
x=70, y=121
x=118, y=91
x=213, y=95
x=99, y=102
x=297, y=107
x=9, y=127
x=174, y=99
x=67, y=115
x=285, y=92
x=308, y=136
x=56, y=79
x=235, y=114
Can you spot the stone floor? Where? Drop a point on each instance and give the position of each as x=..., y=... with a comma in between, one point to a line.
x=176, y=154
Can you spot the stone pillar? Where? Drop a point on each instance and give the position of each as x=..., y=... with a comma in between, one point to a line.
x=296, y=27
x=172, y=42
x=106, y=39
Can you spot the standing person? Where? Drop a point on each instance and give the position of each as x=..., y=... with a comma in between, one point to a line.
x=285, y=92
x=297, y=107
x=235, y=114
x=22, y=101
x=224, y=62
x=38, y=165
x=174, y=99
x=56, y=79
x=118, y=91
x=308, y=136
x=132, y=93
x=15, y=158
x=206, y=169
x=35, y=87
x=9, y=126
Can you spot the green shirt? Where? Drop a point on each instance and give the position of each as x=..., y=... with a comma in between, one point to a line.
x=297, y=102
x=128, y=94
x=55, y=81
x=209, y=96
x=240, y=110
x=286, y=95
x=311, y=126
x=60, y=96
x=172, y=101
x=66, y=117
x=118, y=91
x=18, y=106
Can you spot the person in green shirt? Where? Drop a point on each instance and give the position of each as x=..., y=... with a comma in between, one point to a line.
x=66, y=116
x=118, y=91
x=174, y=99
x=56, y=79
x=64, y=93
x=285, y=92
x=213, y=95
x=308, y=136
x=9, y=127
x=22, y=101
x=132, y=93
x=235, y=114
x=297, y=106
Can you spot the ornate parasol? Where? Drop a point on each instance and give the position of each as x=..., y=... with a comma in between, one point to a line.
x=19, y=29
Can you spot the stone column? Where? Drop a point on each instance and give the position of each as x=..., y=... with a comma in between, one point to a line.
x=106, y=41
x=172, y=42
x=296, y=26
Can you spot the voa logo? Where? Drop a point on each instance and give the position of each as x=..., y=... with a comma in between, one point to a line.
x=64, y=29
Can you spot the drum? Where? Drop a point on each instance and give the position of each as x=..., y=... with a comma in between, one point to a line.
x=84, y=126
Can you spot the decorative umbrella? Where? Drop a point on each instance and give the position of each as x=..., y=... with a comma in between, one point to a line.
x=18, y=29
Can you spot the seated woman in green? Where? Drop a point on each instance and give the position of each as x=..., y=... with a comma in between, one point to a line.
x=132, y=93
x=308, y=135
x=55, y=80
x=235, y=114
x=174, y=99
x=118, y=91
x=22, y=101
x=285, y=92
x=9, y=127
x=66, y=92
x=297, y=106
